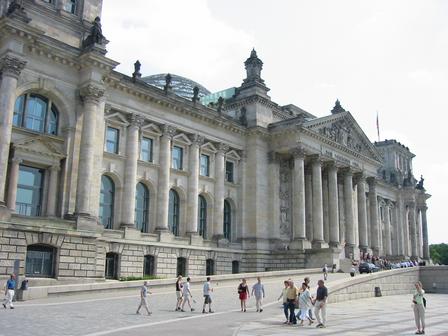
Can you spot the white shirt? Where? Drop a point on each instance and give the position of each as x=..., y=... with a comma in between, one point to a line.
x=207, y=288
x=186, y=289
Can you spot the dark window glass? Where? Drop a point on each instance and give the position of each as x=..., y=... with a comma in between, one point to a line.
x=235, y=267
x=229, y=171
x=112, y=140
x=29, y=191
x=141, y=207
x=36, y=108
x=146, y=150
x=71, y=6
x=227, y=220
x=40, y=261
x=149, y=265
x=177, y=158
x=111, y=271
x=19, y=109
x=53, y=121
x=181, y=266
x=173, y=212
x=209, y=267
x=205, y=165
x=107, y=197
x=202, y=216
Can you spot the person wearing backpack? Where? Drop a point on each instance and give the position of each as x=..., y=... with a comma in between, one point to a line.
x=419, y=306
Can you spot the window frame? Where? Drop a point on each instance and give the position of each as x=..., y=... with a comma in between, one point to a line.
x=151, y=149
x=202, y=216
x=205, y=173
x=35, y=207
x=107, y=141
x=145, y=210
x=173, y=212
x=232, y=180
x=181, y=159
x=227, y=220
x=110, y=224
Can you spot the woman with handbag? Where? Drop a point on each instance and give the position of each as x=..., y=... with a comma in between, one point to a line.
x=419, y=305
x=243, y=293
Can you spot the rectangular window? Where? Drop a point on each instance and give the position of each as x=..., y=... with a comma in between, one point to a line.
x=70, y=6
x=229, y=171
x=177, y=158
x=112, y=140
x=29, y=191
x=146, y=150
x=205, y=165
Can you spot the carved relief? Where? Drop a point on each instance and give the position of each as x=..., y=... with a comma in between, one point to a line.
x=285, y=199
x=341, y=132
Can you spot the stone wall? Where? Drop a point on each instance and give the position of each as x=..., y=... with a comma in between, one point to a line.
x=434, y=279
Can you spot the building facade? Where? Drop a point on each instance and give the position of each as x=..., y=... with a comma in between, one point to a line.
x=108, y=175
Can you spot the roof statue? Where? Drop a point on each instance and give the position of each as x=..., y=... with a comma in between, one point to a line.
x=337, y=108
x=195, y=97
x=16, y=9
x=167, y=86
x=419, y=185
x=253, y=65
x=137, y=74
x=96, y=34
x=220, y=104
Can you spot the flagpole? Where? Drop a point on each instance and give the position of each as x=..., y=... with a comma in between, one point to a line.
x=378, y=126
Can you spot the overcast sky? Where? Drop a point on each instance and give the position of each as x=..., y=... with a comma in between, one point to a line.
x=385, y=56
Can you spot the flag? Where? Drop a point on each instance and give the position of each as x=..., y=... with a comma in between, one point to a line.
x=377, y=126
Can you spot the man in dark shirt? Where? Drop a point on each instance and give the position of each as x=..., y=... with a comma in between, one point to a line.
x=320, y=304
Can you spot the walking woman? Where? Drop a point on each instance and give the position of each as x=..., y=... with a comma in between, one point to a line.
x=419, y=303
x=243, y=292
x=305, y=303
x=285, y=300
x=179, y=292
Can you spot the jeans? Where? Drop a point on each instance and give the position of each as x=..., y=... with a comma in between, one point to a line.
x=291, y=308
x=285, y=310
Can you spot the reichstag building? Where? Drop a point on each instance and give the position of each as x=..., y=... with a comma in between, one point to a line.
x=109, y=175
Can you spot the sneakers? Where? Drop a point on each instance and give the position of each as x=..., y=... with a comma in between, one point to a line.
x=137, y=313
x=261, y=310
x=318, y=325
x=4, y=306
x=182, y=310
x=211, y=311
x=192, y=309
x=11, y=307
x=203, y=311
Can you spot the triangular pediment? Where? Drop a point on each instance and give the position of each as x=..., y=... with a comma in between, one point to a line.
x=116, y=117
x=233, y=155
x=39, y=145
x=182, y=138
x=343, y=129
x=208, y=146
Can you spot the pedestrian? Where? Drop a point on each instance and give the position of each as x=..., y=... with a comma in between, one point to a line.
x=243, y=293
x=320, y=304
x=291, y=296
x=285, y=300
x=419, y=305
x=306, y=281
x=9, y=292
x=305, y=303
x=207, y=291
x=325, y=272
x=179, y=292
x=352, y=271
x=258, y=292
x=186, y=295
x=144, y=298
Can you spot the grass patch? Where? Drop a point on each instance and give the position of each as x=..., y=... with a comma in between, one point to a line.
x=135, y=278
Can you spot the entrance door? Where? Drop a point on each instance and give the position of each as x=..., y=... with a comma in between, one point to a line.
x=111, y=266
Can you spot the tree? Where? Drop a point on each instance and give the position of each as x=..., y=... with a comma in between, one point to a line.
x=439, y=253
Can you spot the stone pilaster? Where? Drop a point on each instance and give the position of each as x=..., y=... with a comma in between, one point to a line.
x=387, y=246
x=91, y=96
x=164, y=177
x=10, y=68
x=374, y=224
x=362, y=213
x=53, y=191
x=333, y=205
x=193, y=184
x=298, y=198
x=309, y=203
x=12, y=183
x=426, y=255
x=130, y=173
x=413, y=230
x=349, y=220
x=318, y=223
x=218, y=229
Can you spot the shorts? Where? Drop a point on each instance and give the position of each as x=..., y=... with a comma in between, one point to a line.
x=178, y=294
x=207, y=299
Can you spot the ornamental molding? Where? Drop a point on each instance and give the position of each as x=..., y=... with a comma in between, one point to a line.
x=91, y=93
x=168, y=130
x=135, y=120
x=12, y=66
x=197, y=140
x=222, y=148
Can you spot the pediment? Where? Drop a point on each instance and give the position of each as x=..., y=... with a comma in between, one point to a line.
x=182, y=138
x=151, y=128
x=208, y=146
x=39, y=145
x=116, y=117
x=342, y=128
x=233, y=155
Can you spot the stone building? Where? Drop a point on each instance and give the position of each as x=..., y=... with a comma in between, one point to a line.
x=108, y=175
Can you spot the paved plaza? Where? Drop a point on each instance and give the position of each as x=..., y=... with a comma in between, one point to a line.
x=114, y=314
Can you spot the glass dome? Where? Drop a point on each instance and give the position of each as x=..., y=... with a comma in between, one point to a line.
x=180, y=85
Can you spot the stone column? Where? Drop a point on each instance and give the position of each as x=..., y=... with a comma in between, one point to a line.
x=164, y=177
x=309, y=204
x=374, y=225
x=12, y=183
x=10, y=68
x=298, y=198
x=426, y=255
x=91, y=96
x=413, y=231
x=318, y=223
x=418, y=225
x=362, y=213
x=325, y=200
x=349, y=220
x=53, y=191
x=387, y=246
x=193, y=184
x=130, y=171
x=218, y=215
x=333, y=205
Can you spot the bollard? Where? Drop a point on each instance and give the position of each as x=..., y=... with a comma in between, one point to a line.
x=378, y=292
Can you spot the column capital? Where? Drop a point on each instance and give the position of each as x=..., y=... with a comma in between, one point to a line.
x=423, y=208
x=360, y=177
x=168, y=130
x=298, y=152
x=135, y=120
x=410, y=204
x=371, y=181
x=91, y=93
x=346, y=171
x=223, y=148
x=11, y=66
x=197, y=140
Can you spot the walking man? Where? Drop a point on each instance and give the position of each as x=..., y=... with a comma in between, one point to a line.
x=207, y=291
x=144, y=298
x=258, y=292
x=325, y=272
x=292, y=294
x=9, y=292
x=320, y=304
x=187, y=295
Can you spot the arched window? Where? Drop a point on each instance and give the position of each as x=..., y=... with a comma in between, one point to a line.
x=202, y=216
x=107, y=197
x=173, y=213
x=36, y=113
x=40, y=261
x=227, y=220
x=141, y=207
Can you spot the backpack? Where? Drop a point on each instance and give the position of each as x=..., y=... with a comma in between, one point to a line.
x=424, y=303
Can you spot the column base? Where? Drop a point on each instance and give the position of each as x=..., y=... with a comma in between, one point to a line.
x=336, y=245
x=130, y=232
x=195, y=239
x=319, y=244
x=86, y=222
x=351, y=252
x=318, y=257
x=299, y=244
x=165, y=236
x=5, y=213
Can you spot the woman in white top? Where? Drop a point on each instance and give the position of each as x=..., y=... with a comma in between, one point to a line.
x=305, y=303
x=419, y=301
